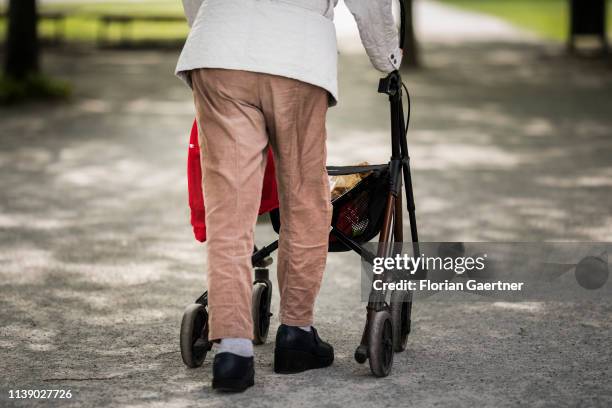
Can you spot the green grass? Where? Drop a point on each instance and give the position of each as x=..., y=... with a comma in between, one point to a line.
x=548, y=18
x=143, y=7
x=82, y=23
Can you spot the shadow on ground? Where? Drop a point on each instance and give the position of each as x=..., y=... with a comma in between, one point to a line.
x=509, y=143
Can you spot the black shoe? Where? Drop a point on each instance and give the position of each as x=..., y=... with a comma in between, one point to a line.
x=298, y=350
x=232, y=372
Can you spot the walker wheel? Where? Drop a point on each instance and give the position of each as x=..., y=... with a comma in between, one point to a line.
x=361, y=354
x=592, y=272
x=261, y=312
x=401, y=309
x=380, y=344
x=194, y=335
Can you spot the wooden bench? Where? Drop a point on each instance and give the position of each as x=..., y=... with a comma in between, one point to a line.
x=126, y=22
x=59, y=23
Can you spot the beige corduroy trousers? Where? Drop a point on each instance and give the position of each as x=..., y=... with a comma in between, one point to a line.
x=239, y=115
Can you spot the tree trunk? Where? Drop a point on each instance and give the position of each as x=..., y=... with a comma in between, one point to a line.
x=411, y=47
x=22, y=39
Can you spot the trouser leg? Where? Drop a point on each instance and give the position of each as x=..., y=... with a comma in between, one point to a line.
x=295, y=116
x=233, y=141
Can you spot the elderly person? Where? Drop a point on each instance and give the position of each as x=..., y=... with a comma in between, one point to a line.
x=263, y=72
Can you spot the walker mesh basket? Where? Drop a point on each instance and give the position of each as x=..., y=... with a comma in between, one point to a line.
x=358, y=212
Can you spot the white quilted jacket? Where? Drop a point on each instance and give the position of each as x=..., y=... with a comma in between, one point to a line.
x=290, y=38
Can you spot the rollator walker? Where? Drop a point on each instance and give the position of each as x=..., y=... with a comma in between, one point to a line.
x=371, y=207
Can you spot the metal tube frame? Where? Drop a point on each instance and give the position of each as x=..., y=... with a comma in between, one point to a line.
x=399, y=165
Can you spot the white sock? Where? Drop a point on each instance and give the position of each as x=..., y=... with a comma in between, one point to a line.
x=305, y=328
x=240, y=347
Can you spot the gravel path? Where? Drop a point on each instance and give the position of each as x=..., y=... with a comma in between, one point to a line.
x=510, y=142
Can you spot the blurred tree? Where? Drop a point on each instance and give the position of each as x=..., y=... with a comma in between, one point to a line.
x=588, y=17
x=411, y=47
x=22, y=39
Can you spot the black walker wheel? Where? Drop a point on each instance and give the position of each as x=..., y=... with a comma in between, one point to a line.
x=262, y=294
x=361, y=354
x=380, y=344
x=194, y=335
x=401, y=309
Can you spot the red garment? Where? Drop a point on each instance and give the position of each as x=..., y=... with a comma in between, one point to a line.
x=269, y=195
